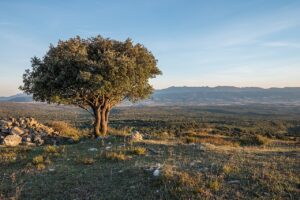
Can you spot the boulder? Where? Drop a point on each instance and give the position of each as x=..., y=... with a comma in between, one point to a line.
x=12, y=140
x=136, y=136
x=17, y=131
x=38, y=140
x=30, y=132
x=4, y=123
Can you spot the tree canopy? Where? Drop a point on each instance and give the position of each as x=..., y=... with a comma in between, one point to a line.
x=95, y=74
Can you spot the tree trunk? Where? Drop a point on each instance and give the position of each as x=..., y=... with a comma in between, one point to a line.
x=101, y=119
x=104, y=121
x=97, y=122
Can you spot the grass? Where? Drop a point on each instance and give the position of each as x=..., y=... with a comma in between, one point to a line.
x=137, y=151
x=187, y=172
x=254, y=140
x=116, y=156
x=88, y=161
x=54, y=150
x=215, y=140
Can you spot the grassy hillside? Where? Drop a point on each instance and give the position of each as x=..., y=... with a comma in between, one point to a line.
x=203, y=152
x=112, y=169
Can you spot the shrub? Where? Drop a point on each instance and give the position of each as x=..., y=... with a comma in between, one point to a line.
x=118, y=132
x=38, y=160
x=40, y=166
x=227, y=169
x=214, y=185
x=65, y=129
x=211, y=140
x=8, y=157
x=138, y=151
x=115, y=156
x=253, y=140
x=53, y=149
x=88, y=161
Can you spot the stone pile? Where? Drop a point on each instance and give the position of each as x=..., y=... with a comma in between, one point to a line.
x=26, y=131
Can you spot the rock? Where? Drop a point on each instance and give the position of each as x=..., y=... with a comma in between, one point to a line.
x=17, y=131
x=136, y=136
x=31, y=132
x=38, y=140
x=156, y=172
x=234, y=182
x=92, y=149
x=26, y=139
x=12, y=140
x=4, y=123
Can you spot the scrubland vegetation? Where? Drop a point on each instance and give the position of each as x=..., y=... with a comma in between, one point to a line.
x=221, y=152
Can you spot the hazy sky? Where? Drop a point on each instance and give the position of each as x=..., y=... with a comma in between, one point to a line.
x=197, y=42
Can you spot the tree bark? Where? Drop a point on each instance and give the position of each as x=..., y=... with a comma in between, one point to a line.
x=97, y=122
x=104, y=119
x=101, y=119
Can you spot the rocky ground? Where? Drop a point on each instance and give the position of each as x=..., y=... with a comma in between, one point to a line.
x=27, y=131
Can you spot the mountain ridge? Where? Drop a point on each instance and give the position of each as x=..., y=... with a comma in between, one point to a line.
x=206, y=96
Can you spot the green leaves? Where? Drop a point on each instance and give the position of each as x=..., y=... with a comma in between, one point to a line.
x=91, y=71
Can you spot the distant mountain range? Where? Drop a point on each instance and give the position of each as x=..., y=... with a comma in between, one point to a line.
x=225, y=95
x=222, y=95
x=17, y=98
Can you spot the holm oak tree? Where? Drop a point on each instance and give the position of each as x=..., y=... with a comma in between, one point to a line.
x=94, y=74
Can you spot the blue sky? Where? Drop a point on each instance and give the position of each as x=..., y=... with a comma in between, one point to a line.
x=197, y=42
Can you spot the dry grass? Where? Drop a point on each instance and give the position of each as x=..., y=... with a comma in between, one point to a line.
x=54, y=150
x=223, y=172
x=137, y=151
x=252, y=140
x=215, y=140
x=88, y=161
x=65, y=129
x=116, y=156
x=8, y=157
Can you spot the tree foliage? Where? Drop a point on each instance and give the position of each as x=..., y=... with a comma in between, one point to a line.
x=95, y=74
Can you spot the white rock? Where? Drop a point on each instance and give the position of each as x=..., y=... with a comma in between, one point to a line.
x=156, y=172
x=17, y=131
x=136, y=136
x=12, y=140
x=5, y=123
x=92, y=149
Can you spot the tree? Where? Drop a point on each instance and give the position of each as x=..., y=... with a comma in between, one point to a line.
x=94, y=74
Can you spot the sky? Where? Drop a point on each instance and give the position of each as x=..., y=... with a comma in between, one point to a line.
x=239, y=43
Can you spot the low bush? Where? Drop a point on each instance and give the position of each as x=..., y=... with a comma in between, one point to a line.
x=54, y=150
x=253, y=140
x=65, y=129
x=115, y=156
x=211, y=140
x=138, y=150
x=88, y=161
